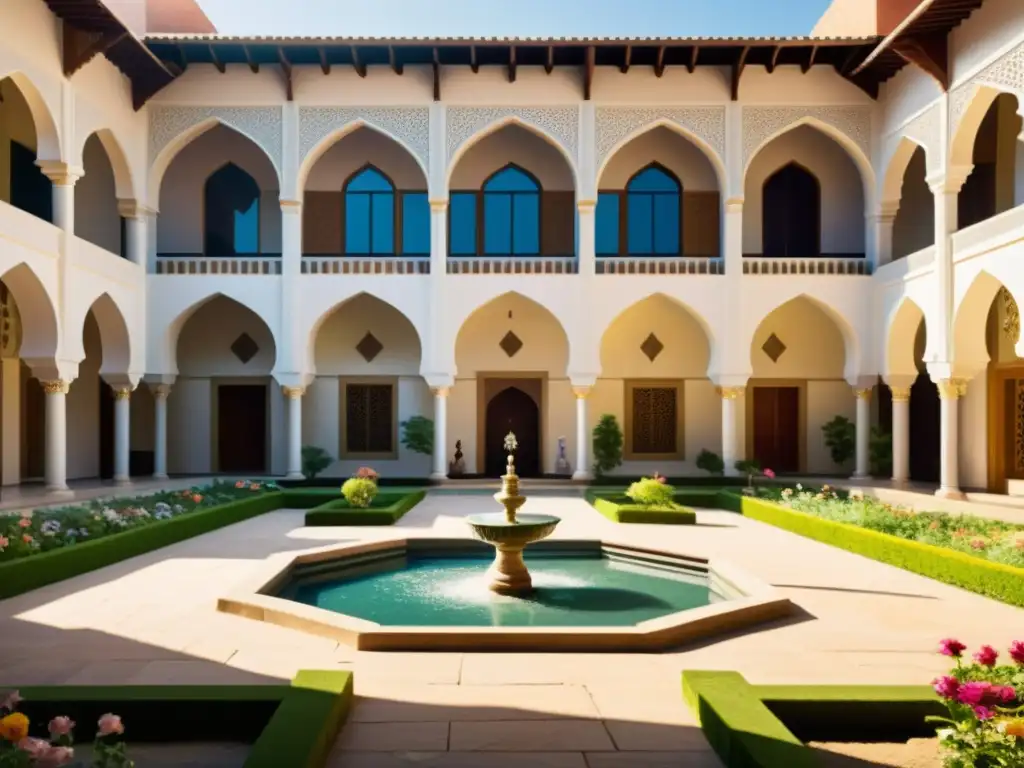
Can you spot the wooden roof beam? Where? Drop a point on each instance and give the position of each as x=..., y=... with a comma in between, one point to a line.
x=286, y=69
x=806, y=66
x=694, y=53
x=253, y=65
x=549, y=65
x=737, y=71
x=82, y=47
x=325, y=65
x=357, y=65
x=216, y=61
x=437, y=76
x=659, y=62
x=626, y=59
x=588, y=71
x=396, y=65
x=775, y=59
x=473, y=63
x=930, y=53
x=512, y=64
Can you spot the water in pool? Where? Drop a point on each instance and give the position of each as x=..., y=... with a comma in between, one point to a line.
x=580, y=591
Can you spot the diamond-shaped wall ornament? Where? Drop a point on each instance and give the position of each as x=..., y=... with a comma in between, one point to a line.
x=369, y=347
x=511, y=344
x=773, y=347
x=652, y=347
x=244, y=348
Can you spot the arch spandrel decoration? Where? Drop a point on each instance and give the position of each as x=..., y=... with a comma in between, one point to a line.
x=262, y=124
x=561, y=123
x=409, y=125
x=1005, y=73
x=616, y=123
x=925, y=130
x=761, y=123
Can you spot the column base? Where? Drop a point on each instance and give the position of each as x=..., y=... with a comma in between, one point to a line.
x=860, y=476
x=438, y=477
x=58, y=492
x=295, y=476
x=582, y=475
x=122, y=480
x=160, y=476
x=900, y=482
x=952, y=494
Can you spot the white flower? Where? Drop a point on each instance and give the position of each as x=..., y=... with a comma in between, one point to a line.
x=110, y=515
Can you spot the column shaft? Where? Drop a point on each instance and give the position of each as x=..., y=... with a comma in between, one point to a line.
x=583, y=470
x=440, y=470
x=160, y=393
x=294, y=397
x=730, y=452
x=950, y=392
x=122, y=433
x=900, y=435
x=587, y=247
x=863, y=439
x=56, y=435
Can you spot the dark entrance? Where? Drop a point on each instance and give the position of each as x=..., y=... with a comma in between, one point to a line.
x=791, y=209
x=512, y=410
x=925, y=430
x=777, y=428
x=242, y=428
x=106, y=431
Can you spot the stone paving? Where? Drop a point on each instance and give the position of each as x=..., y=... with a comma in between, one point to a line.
x=153, y=619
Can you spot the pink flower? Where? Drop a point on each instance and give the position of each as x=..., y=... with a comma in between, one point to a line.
x=951, y=647
x=986, y=656
x=983, y=713
x=24, y=522
x=34, y=747
x=9, y=700
x=4, y=543
x=55, y=756
x=1017, y=651
x=61, y=726
x=1005, y=693
x=973, y=693
x=946, y=686
x=110, y=724
x=769, y=474
x=27, y=539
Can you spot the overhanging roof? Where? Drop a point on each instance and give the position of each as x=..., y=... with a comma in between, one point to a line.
x=585, y=54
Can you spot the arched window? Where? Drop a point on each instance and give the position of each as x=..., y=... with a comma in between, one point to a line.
x=369, y=214
x=232, y=213
x=511, y=213
x=791, y=213
x=653, y=218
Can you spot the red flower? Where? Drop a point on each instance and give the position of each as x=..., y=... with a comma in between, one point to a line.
x=986, y=656
x=769, y=474
x=951, y=647
x=1017, y=651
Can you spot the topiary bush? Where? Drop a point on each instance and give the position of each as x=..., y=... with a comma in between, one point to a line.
x=841, y=439
x=359, y=491
x=651, y=492
x=418, y=435
x=607, y=445
x=880, y=449
x=314, y=461
x=710, y=462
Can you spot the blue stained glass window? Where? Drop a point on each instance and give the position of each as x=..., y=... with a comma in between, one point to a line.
x=511, y=213
x=369, y=214
x=607, y=224
x=231, y=213
x=653, y=203
x=462, y=224
x=415, y=224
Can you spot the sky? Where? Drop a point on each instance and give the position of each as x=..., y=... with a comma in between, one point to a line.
x=515, y=18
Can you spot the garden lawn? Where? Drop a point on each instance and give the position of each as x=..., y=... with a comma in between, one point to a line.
x=386, y=508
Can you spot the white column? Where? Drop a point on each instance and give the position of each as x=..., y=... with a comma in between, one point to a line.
x=732, y=236
x=294, y=397
x=63, y=177
x=56, y=435
x=950, y=392
x=900, y=435
x=879, y=234
x=863, y=439
x=438, y=237
x=587, y=248
x=730, y=450
x=583, y=471
x=945, y=190
x=440, y=471
x=160, y=393
x=136, y=246
x=122, y=433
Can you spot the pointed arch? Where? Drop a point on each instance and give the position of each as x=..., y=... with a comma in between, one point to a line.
x=901, y=331
x=37, y=312
x=895, y=170
x=713, y=157
x=791, y=212
x=124, y=180
x=115, y=338
x=970, y=320
x=162, y=161
x=231, y=212
x=978, y=103
x=492, y=128
x=48, y=144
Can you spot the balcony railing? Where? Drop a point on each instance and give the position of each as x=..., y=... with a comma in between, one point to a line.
x=512, y=265
x=365, y=265
x=659, y=265
x=818, y=265
x=256, y=264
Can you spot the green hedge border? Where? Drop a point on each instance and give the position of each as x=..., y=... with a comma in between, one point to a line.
x=756, y=726
x=287, y=725
x=607, y=505
x=338, y=512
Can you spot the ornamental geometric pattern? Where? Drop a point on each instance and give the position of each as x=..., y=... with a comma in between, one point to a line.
x=761, y=122
x=261, y=124
x=616, y=123
x=773, y=347
x=369, y=347
x=409, y=125
x=926, y=130
x=244, y=348
x=1005, y=73
x=561, y=123
x=652, y=347
x=510, y=344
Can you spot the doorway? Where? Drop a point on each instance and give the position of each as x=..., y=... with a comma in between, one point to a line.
x=512, y=410
x=242, y=428
x=776, y=422
x=106, y=397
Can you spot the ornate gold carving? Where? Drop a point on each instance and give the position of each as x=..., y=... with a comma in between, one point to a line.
x=56, y=387
x=581, y=392
x=1018, y=426
x=862, y=393
x=293, y=393
x=730, y=393
x=122, y=393
x=1011, y=316
x=951, y=389
x=440, y=391
x=900, y=394
x=161, y=391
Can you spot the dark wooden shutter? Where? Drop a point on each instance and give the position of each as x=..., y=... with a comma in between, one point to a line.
x=654, y=420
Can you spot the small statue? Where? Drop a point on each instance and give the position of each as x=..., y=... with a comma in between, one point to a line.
x=457, y=467
x=510, y=447
x=562, y=466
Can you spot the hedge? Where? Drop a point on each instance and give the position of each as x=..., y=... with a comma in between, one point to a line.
x=767, y=726
x=386, y=509
x=996, y=580
x=620, y=509
x=287, y=725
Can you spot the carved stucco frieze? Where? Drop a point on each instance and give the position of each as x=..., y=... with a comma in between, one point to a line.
x=1005, y=73
x=561, y=123
x=409, y=125
x=759, y=123
x=616, y=123
x=262, y=124
x=925, y=130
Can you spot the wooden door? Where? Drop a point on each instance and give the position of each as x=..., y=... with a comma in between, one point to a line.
x=777, y=428
x=242, y=428
x=512, y=410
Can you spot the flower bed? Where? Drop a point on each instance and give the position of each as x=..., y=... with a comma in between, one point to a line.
x=620, y=509
x=384, y=509
x=287, y=725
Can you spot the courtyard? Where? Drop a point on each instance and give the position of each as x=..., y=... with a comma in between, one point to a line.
x=153, y=620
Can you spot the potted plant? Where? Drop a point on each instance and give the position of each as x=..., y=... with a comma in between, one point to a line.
x=749, y=467
x=710, y=462
x=314, y=461
x=607, y=445
x=841, y=439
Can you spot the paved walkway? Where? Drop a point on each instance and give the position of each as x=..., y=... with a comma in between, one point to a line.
x=152, y=619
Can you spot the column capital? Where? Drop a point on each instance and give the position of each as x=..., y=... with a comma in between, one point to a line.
x=900, y=394
x=61, y=174
x=440, y=391
x=862, y=393
x=949, y=182
x=56, y=387
x=733, y=205
x=581, y=393
x=439, y=206
x=122, y=393
x=293, y=393
x=133, y=209
x=291, y=206
x=586, y=206
x=731, y=393
x=160, y=391
x=952, y=389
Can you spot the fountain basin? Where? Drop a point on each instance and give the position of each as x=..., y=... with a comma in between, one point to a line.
x=432, y=594
x=508, y=573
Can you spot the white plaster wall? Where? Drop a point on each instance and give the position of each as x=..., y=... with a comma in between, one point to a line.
x=362, y=147
x=204, y=344
x=825, y=401
x=662, y=145
x=914, y=226
x=83, y=409
x=973, y=435
x=814, y=345
x=686, y=350
x=545, y=346
x=842, y=189
x=335, y=351
x=96, y=215
x=512, y=144
x=142, y=419
x=190, y=427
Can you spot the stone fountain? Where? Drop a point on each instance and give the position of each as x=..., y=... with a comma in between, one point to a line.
x=511, y=533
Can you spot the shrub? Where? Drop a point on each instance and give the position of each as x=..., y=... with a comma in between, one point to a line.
x=359, y=491
x=651, y=492
x=710, y=462
x=841, y=439
x=880, y=453
x=748, y=467
x=418, y=435
x=314, y=461
x=607, y=445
